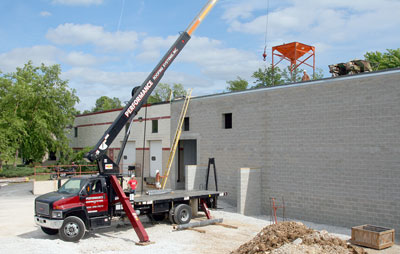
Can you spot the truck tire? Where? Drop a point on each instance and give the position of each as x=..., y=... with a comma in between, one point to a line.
x=171, y=215
x=50, y=231
x=72, y=230
x=182, y=214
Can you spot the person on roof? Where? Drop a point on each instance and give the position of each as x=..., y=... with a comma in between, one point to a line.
x=305, y=76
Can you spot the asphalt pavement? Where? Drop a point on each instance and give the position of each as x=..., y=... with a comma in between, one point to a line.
x=16, y=189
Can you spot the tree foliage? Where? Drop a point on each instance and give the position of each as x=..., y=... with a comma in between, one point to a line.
x=36, y=106
x=163, y=92
x=382, y=61
x=268, y=77
x=237, y=85
x=106, y=103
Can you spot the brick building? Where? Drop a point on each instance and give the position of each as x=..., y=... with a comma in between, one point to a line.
x=155, y=143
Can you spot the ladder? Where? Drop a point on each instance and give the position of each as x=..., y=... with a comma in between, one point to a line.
x=176, y=138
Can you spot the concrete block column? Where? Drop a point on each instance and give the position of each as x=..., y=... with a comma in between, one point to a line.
x=249, y=191
x=195, y=177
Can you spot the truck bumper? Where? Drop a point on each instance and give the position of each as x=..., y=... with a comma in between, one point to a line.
x=48, y=223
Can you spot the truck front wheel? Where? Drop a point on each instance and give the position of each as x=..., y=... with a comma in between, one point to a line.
x=50, y=231
x=72, y=230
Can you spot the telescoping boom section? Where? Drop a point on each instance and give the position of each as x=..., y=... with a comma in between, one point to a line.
x=107, y=166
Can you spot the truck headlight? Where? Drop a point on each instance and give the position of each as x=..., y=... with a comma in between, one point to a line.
x=56, y=214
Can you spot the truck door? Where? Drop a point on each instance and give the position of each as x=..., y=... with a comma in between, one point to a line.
x=97, y=201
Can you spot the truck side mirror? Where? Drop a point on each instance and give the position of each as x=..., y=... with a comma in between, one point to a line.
x=85, y=192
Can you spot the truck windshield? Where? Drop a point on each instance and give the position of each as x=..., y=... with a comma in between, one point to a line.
x=72, y=186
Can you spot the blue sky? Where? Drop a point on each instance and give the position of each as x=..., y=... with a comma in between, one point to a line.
x=106, y=47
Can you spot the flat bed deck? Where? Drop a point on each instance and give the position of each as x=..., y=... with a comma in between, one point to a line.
x=177, y=195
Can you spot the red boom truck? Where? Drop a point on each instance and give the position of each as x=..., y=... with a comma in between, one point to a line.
x=90, y=202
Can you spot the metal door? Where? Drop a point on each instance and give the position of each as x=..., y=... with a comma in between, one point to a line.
x=155, y=157
x=129, y=158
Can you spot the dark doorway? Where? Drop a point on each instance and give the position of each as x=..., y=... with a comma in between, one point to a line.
x=187, y=155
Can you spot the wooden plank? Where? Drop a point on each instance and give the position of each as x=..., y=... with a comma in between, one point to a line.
x=144, y=243
x=226, y=225
x=197, y=230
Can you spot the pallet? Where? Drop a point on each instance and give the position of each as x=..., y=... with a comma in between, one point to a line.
x=372, y=236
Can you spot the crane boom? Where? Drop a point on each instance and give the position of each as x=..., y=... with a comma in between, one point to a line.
x=140, y=96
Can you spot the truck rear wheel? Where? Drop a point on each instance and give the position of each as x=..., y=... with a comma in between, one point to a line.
x=50, y=231
x=182, y=214
x=72, y=230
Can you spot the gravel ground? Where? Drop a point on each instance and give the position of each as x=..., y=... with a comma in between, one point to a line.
x=19, y=234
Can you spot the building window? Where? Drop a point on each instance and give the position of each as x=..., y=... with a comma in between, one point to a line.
x=76, y=132
x=186, y=124
x=154, y=126
x=227, y=121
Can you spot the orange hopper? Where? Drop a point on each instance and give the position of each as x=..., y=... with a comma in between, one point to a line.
x=296, y=53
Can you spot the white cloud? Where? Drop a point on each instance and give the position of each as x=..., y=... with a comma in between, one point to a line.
x=80, y=59
x=78, y=2
x=209, y=56
x=45, y=14
x=92, y=83
x=336, y=21
x=20, y=56
x=91, y=76
x=217, y=61
x=75, y=34
x=241, y=9
x=46, y=54
x=341, y=30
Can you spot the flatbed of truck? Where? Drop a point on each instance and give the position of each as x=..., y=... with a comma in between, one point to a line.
x=177, y=195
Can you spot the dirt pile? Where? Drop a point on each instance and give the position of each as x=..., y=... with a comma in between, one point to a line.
x=294, y=237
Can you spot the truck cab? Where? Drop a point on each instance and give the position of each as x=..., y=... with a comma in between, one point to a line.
x=82, y=203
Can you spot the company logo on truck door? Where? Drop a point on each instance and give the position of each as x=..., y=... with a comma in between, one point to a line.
x=150, y=83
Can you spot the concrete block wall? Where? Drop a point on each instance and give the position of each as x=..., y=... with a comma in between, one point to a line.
x=241, y=146
x=249, y=191
x=331, y=148
x=196, y=178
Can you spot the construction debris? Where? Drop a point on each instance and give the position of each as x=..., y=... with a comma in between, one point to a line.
x=295, y=237
x=351, y=67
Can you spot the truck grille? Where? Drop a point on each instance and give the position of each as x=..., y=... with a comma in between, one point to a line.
x=42, y=208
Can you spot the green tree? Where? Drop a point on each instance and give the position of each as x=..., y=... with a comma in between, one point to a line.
x=382, y=61
x=106, y=103
x=268, y=77
x=319, y=74
x=295, y=76
x=36, y=107
x=163, y=92
x=11, y=127
x=237, y=85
